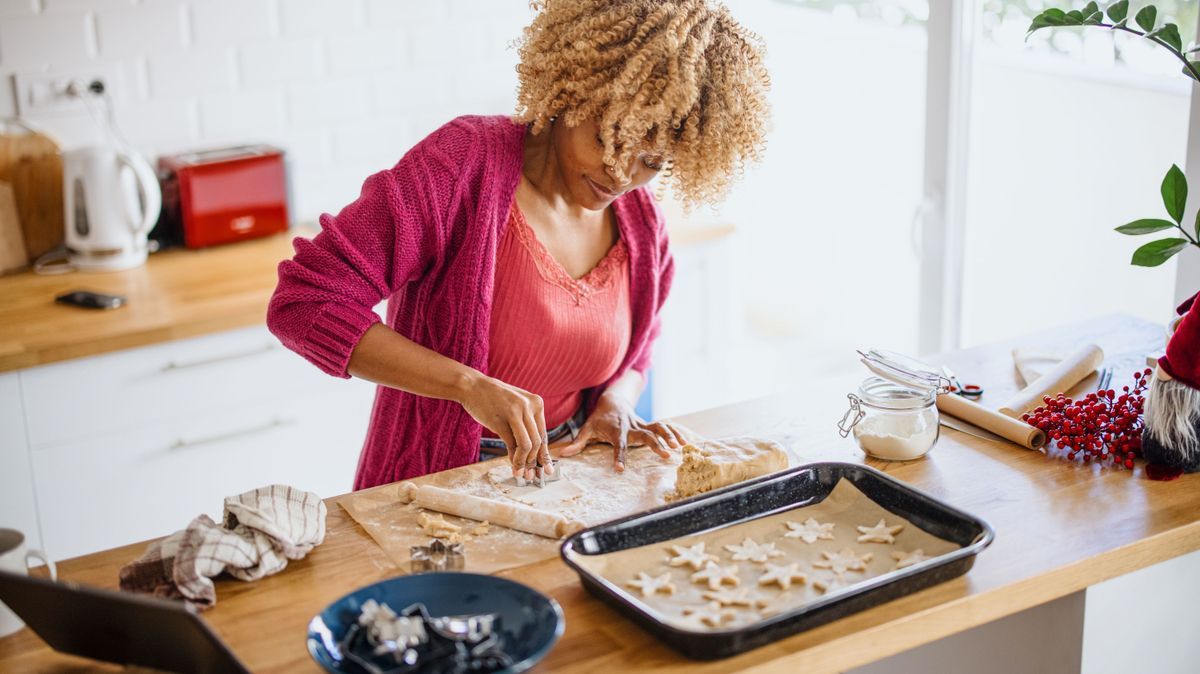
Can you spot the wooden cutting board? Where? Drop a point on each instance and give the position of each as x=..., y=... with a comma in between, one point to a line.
x=12, y=243
x=31, y=163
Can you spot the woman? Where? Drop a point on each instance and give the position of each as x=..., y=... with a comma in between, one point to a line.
x=524, y=261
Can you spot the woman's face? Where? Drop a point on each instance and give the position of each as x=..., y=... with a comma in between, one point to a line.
x=581, y=159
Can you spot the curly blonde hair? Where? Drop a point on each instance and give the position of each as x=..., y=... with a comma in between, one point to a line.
x=679, y=78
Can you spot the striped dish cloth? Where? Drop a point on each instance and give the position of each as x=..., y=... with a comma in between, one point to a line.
x=261, y=530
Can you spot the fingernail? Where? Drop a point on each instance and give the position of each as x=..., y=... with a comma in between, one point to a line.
x=620, y=467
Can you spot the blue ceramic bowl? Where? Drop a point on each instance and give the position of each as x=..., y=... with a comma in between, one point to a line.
x=531, y=622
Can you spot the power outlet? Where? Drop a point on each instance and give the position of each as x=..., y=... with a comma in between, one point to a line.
x=43, y=94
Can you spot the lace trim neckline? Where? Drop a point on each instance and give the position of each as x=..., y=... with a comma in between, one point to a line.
x=600, y=277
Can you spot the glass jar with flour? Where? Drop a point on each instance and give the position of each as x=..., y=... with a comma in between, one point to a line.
x=894, y=414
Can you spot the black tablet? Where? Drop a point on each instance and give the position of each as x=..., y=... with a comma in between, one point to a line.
x=120, y=627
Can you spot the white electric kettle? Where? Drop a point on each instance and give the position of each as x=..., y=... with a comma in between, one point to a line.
x=112, y=201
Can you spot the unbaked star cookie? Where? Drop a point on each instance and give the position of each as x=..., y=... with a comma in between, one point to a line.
x=754, y=552
x=907, y=559
x=711, y=614
x=715, y=576
x=841, y=562
x=783, y=575
x=810, y=531
x=650, y=585
x=728, y=596
x=693, y=556
x=880, y=533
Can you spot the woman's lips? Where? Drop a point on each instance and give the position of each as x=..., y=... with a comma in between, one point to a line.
x=601, y=193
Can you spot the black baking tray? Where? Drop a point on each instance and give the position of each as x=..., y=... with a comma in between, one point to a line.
x=794, y=488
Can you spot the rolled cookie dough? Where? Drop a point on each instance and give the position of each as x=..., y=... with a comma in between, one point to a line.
x=511, y=515
x=712, y=464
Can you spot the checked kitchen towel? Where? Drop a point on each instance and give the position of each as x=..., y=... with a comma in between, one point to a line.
x=261, y=530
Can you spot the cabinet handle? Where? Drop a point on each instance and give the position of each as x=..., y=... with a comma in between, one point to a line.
x=176, y=365
x=222, y=437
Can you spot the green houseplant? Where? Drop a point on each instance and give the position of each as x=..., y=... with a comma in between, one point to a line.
x=1174, y=184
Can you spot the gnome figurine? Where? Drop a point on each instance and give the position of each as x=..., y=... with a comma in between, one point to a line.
x=1172, y=415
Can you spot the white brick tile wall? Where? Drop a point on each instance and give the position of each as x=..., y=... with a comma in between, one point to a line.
x=345, y=86
x=409, y=90
x=42, y=39
x=190, y=72
x=304, y=17
x=219, y=22
x=277, y=62
x=381, y=141
x=137, y=30
x=404, y=13
x=367, y=52
x=158, y=122
x=328, y=102
x=243, y=116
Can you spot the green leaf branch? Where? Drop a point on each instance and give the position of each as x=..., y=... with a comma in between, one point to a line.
x=1174, y=185
x=1165, y=35
x=1174, y=194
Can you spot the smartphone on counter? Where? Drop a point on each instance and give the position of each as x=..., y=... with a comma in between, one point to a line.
x=90, y=300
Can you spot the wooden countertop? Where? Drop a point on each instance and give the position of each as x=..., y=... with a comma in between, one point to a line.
x=1060, y=527
x=177, y=293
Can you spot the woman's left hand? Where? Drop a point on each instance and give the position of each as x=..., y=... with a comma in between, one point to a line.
x=615, y=423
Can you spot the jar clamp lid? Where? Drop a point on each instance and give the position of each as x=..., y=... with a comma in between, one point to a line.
x=905, y=371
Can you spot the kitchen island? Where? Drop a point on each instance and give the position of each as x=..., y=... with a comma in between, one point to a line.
x=1061, y=527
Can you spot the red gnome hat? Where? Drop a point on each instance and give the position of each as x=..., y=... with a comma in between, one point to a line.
x=1182, y=361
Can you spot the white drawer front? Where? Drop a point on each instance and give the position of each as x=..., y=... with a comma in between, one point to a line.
x=124, y=487
x=170, y=381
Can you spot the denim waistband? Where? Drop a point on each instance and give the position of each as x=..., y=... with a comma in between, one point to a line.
x=490, y=448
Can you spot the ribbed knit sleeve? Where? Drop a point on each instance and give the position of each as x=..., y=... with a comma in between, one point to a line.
x=326, y=293
x=666, y=274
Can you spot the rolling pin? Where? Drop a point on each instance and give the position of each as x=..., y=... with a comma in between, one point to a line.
x=511, y=515
x=1006, y=427
x=1059, y=379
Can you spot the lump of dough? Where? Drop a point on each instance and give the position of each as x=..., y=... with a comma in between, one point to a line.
x=712, y=464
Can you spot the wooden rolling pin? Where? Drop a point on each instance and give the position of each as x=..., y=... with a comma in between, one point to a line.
x=1059, y=379
x=1006, y=427
x=511, y=515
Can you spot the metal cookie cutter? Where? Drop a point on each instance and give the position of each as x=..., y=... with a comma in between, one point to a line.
x=437, y=556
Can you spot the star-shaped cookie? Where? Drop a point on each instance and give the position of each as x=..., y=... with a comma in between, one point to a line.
x=810, y=531
x=711, y=614
x=880, y=533
x=693, y=556
x=650, y=585
x=754, y=552
x=716, y=576
x=841, y=562
x=782, y=575
x=906, y=559
x=728, y=596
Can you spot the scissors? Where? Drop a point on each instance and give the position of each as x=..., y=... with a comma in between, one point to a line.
x=968, y=391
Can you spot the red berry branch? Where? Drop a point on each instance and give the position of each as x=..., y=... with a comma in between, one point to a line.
x=1102, y=427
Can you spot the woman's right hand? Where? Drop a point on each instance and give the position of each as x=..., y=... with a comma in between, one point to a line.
x=516, y=416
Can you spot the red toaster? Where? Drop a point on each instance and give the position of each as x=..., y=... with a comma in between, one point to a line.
x=222, y=195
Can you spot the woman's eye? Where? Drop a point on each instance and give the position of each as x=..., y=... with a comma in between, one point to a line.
x=653, y=163
x=599, y=140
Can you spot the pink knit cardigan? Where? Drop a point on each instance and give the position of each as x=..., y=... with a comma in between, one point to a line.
x=424, y=235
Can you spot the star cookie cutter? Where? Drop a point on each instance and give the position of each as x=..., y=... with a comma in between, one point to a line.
x=437, y=556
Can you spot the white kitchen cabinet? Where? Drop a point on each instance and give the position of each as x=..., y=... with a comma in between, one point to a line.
x=134, y=444
x=18, y=507
x=181, y=379
x=113, y=489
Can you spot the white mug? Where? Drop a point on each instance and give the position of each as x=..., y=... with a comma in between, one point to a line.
x=14, y=558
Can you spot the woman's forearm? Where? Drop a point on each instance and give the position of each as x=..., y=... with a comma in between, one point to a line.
x=386, y=357
x=628, y=388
